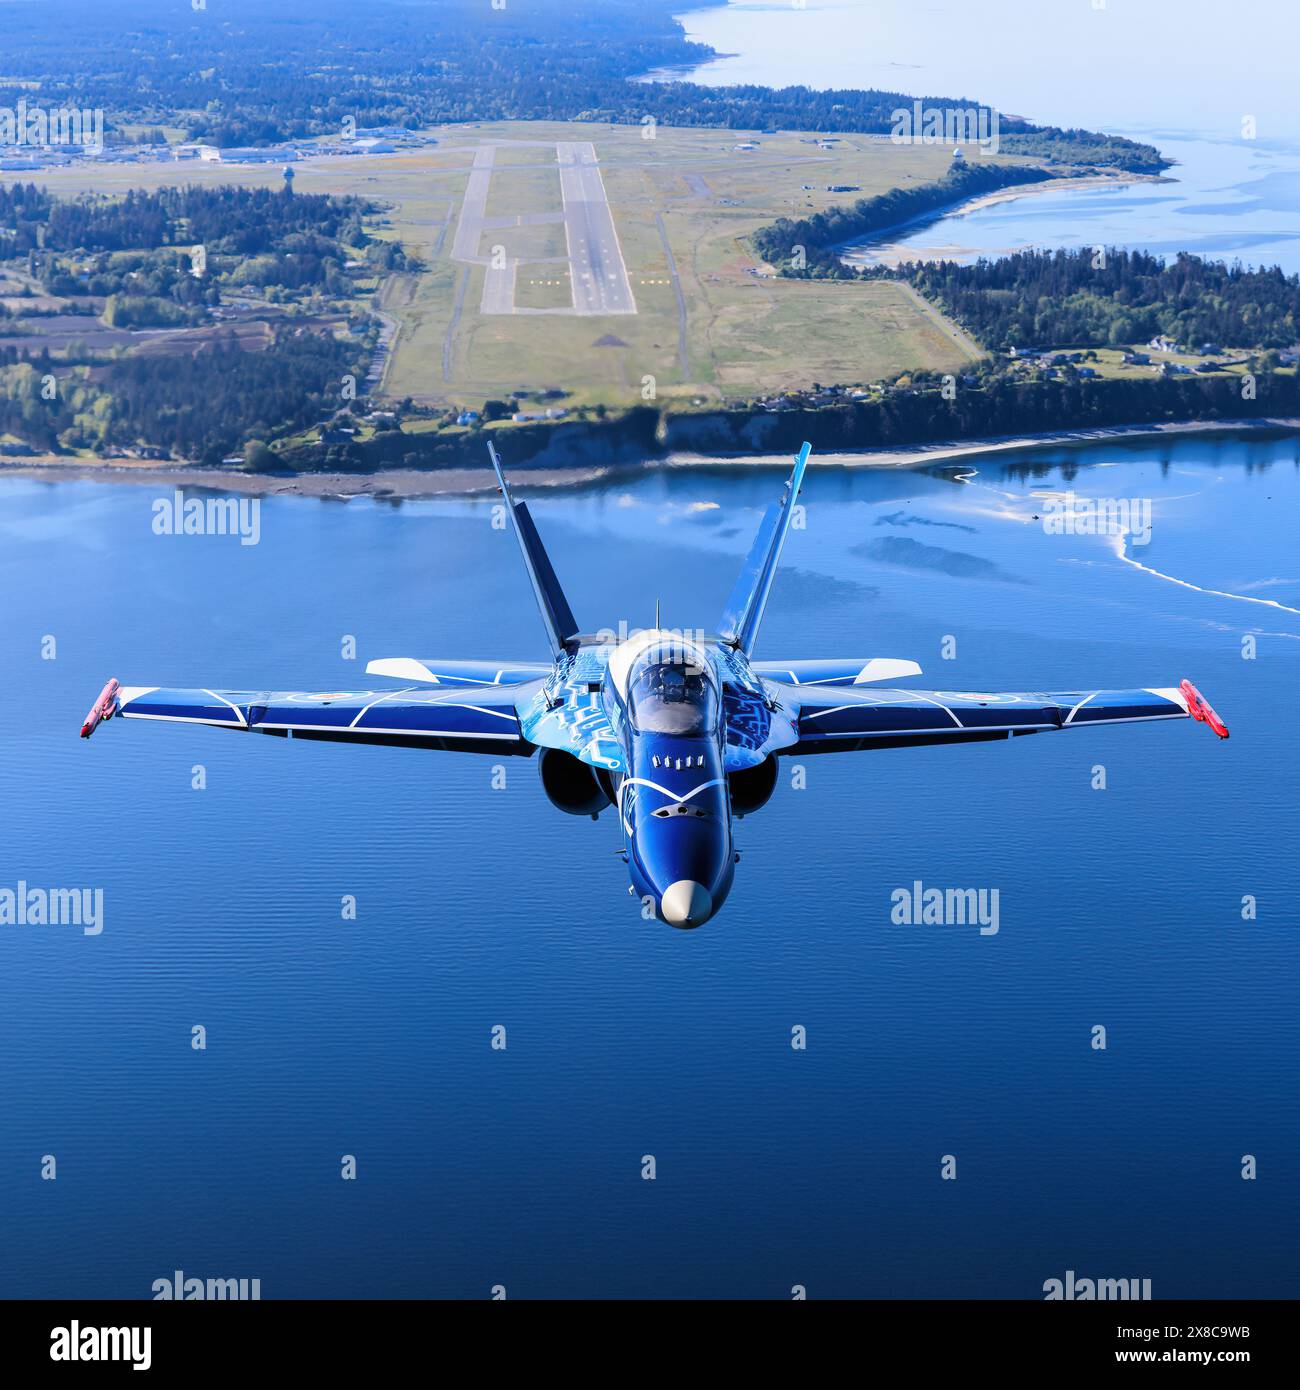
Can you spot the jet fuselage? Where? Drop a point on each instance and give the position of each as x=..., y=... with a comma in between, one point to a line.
x=665, y=694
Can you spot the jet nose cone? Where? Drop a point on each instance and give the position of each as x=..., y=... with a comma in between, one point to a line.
x=686, y=903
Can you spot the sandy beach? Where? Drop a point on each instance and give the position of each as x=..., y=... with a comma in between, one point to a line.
x=389, y=484
x=410, y=483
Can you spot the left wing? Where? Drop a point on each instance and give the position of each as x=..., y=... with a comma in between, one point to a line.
x=482, y=720
x=847, y=719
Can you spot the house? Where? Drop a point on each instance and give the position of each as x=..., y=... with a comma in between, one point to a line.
x=468, y=417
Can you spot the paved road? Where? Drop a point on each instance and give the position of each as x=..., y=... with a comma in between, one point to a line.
x=600, y=283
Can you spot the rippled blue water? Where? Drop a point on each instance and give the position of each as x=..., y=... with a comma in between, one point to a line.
x=478, y=908
x=1224, y=200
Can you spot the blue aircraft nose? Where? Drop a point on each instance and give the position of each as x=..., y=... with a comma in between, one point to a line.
x=683, y=864
x=686, y=903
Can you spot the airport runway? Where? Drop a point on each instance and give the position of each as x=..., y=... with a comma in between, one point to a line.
x=597, y=274
x=600, y=283
x=472, y=210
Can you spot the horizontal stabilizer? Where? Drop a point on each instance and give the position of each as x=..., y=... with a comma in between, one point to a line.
x=838, y=672
x=432, y=671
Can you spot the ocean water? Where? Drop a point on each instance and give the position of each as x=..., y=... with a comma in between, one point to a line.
x=1213, y=92
x=1225, y=200
x=1119, y=65
x=479, y=907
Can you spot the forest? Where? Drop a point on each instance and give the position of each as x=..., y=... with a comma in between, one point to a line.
x=251, y=72
x=202, y=407
x=139, y=251
x=993, y=404
x=1083, y=298
x=138, y=254
x=227, y=219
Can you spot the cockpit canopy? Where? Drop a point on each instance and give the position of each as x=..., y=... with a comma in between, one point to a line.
x=670, y=692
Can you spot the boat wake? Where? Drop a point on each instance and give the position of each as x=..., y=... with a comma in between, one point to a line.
x=1120, y=544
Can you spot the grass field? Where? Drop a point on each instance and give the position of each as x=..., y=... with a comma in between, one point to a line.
x=688, y=192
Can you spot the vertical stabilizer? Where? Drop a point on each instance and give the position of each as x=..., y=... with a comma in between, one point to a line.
x=561, y=628
x=744, y=611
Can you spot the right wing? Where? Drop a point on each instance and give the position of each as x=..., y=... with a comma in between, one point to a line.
x=845, y=720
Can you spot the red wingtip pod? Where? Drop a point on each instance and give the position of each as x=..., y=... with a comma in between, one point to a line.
x=1200, y=708
x=103, y=708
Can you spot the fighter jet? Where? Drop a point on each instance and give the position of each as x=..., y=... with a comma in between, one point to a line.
x=679, y=732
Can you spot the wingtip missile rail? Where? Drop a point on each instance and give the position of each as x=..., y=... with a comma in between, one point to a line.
x=1200, y=709
x=105, y=707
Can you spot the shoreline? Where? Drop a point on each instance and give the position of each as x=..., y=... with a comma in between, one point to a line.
x=411, y=484
x=885, y=249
